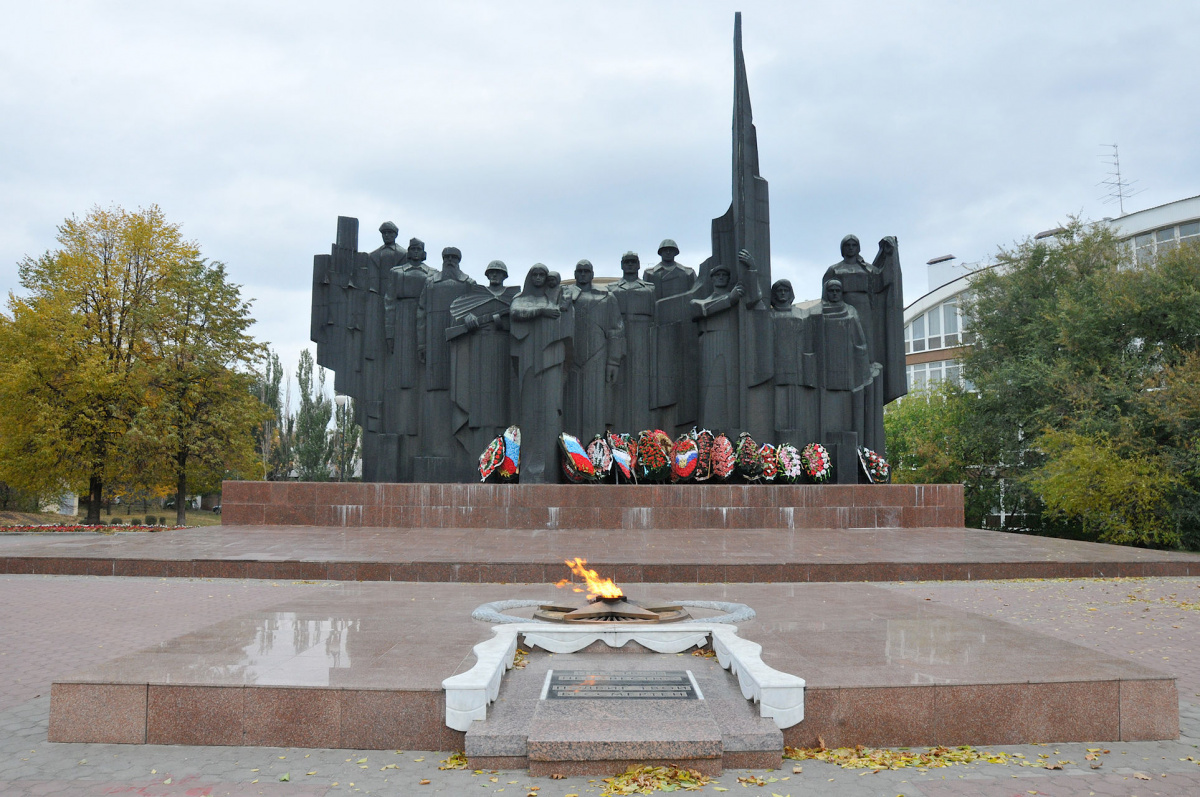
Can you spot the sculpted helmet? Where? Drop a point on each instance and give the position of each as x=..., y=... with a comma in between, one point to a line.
x=668, y=244
x=496, y=265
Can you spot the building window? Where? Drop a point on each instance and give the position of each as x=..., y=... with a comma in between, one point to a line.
x=1165, y=239
x=934, y=374
x=916, y=376
x=1143, y=247
x=933, y=329
x=918, y=333
x=950, y=316
x=1149, y=245
x=929, y=375
x=1189, y=233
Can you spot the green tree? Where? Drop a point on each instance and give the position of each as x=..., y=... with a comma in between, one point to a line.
x=1116, y=493
x=267, y=388
x=75, y=350
x=312, y=440
x=346, y=440
x=1082, y=364
x=200, y=408
x=934, y=437
x=924, y=434
x=126, y=365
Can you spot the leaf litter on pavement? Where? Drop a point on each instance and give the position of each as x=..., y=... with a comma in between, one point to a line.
x=647, y=780
x=880, y=759
x=455, y=761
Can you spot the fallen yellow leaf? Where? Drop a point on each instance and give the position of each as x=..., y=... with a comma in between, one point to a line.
x=455, y=761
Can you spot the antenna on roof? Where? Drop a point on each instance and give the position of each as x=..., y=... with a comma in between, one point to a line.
x=1118, y=189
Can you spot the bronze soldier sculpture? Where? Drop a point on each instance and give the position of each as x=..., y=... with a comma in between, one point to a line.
x=541, y=348
x=441, y=455
x=675, y=384
x=481, y=375
x=636, y=376
x=598, y=344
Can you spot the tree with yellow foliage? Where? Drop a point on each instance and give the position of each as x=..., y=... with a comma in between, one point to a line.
x=123, y=356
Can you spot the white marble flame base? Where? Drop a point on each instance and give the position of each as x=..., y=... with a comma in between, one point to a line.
x=779, y=695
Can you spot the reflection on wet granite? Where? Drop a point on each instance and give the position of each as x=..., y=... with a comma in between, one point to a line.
x=867, y=654
x=411, y=636
x=932, y=644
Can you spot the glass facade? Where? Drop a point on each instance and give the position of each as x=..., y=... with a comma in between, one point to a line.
x=923, y=375
x=939, y=327
x=944, y=327
x=1149, y=245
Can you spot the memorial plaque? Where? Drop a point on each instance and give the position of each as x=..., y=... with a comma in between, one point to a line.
x=621, y=685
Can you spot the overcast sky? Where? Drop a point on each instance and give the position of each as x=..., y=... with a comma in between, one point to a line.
x=552, y=131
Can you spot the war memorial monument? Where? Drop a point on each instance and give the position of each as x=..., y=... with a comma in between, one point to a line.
x=446, y=616
x=439, y=365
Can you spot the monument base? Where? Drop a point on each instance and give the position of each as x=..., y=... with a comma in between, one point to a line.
x=599, y=506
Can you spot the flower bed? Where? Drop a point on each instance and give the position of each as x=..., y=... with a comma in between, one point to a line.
x=51, y=528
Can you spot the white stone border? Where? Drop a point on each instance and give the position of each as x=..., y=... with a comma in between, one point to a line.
x=779, y=695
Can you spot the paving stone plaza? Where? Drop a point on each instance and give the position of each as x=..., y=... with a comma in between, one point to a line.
x=57, y=625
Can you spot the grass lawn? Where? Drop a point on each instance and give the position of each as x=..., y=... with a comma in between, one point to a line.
x=195, y=517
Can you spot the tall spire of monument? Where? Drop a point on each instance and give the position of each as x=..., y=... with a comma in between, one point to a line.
x=746, y=225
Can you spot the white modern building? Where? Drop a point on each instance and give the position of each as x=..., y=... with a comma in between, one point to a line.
x=934, y=329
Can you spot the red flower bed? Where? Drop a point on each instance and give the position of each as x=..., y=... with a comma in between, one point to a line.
x=51, y=528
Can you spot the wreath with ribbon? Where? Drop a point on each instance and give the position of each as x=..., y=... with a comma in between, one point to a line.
x=818, y=466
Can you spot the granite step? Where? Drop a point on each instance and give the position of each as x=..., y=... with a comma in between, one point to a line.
x=606, y=736
x=602, y=737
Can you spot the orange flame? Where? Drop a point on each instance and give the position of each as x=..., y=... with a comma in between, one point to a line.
x=596, y=586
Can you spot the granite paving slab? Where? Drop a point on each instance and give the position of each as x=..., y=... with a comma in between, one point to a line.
x=364, y=662
x=536, y=555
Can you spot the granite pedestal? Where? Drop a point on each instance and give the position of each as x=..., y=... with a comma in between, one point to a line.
x=600, y=506
x=361, y=666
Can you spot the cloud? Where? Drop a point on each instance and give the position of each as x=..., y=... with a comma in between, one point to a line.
x=548, y=131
